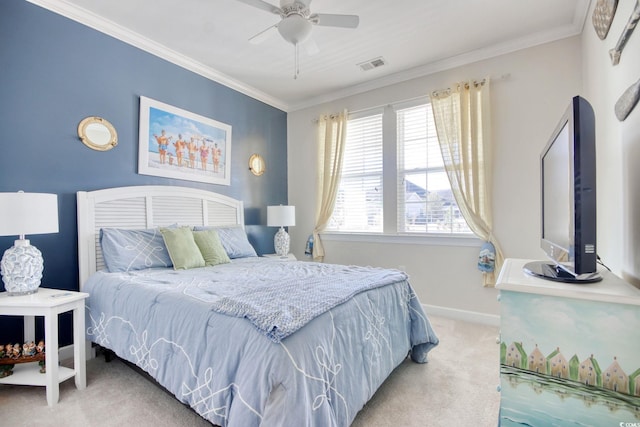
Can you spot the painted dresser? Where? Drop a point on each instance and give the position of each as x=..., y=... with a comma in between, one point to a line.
x=569, y=354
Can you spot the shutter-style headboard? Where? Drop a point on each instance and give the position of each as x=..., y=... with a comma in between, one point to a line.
x=141, y=207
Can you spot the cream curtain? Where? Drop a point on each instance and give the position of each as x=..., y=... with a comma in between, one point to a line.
x=332, y=132
x=462, y=118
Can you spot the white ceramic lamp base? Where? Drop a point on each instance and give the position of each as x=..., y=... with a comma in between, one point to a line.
x=22, y=266
x=281, y=242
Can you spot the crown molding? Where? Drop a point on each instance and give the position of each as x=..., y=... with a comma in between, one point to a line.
x=85, y=17
x=90, y=19
x=452, y=62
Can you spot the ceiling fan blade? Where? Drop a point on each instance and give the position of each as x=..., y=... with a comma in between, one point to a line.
x=330, y=20
x=263, y=35
x=268, y=7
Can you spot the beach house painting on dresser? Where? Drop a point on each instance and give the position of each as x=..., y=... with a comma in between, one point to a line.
x=592, y=373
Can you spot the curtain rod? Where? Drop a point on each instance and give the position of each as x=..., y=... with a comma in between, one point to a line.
x=476, y=83
x=329, y=116
x=501, y=77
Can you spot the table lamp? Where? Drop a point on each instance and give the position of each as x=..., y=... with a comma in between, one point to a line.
x=20, y=214
x=281, y=216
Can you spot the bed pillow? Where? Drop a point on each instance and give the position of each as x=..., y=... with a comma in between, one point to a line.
x=128, y=250
x=182, y=248
x=210, y=247
x=234, y=240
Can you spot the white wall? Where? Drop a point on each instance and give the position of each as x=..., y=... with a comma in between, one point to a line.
x=618, y=144
x=525, y=108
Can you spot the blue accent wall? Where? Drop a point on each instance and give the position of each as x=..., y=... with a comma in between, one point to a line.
x=53, y=73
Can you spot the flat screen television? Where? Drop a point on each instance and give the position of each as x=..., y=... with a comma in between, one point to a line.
x=568, y=190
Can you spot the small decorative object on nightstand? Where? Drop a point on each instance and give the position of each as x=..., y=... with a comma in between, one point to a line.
x=20, y=214
x=281, y=216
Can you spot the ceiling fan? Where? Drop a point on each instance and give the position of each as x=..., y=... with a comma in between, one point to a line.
x=297, y=20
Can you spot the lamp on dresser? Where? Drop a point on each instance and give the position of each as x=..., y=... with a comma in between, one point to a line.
x=281, y=216
x=21, y=214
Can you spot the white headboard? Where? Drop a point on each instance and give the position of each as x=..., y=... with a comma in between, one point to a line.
x=145, y=207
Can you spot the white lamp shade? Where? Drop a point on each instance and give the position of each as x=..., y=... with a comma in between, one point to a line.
x=28, y=213
x=281, y=216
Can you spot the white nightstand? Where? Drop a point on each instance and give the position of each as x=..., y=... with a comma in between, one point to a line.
x=48, y=303
x=276, y=257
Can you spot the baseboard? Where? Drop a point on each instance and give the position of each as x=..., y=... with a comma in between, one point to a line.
x=468, y=316
x=66, y=352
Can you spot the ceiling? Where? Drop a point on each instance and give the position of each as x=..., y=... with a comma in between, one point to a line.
x=414, y=37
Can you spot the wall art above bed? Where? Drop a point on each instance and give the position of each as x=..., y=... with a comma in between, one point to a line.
x=175, y=143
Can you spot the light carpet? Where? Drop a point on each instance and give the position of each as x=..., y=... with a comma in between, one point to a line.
x=457, y=387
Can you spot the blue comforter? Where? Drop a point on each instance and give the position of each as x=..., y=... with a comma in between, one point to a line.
x=259, y=342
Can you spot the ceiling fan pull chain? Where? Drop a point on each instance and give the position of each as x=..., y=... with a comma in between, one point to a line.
x=297, y=66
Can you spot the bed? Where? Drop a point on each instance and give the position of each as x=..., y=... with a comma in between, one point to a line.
x=248, y=342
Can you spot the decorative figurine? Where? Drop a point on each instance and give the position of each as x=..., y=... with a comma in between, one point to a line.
x=29, y=349
x=10, y=354
x=6, y=366
x=6, y=370
x=17, y=351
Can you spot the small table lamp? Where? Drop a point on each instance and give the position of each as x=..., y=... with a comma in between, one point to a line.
x=281, y=216
x=25, y=213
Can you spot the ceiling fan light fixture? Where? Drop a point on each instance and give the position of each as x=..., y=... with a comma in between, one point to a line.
x=297, y=21
x=294, y=29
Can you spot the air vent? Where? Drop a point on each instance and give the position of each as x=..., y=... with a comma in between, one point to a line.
x=371, y=64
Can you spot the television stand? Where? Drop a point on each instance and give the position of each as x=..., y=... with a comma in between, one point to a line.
x=550, y=271
x=568, y=354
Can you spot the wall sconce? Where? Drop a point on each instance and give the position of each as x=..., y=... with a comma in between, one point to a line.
x=256, y=164
x=97, y=133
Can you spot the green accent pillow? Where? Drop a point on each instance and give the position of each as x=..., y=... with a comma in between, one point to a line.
x=182, y=248
x=211, y=247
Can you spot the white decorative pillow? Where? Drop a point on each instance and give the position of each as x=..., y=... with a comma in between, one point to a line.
x=127, y=250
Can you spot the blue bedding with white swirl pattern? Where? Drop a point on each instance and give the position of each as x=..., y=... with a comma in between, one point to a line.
x=259, y=342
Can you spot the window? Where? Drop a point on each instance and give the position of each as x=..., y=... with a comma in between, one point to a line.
x=359, y=200
x=423, y=200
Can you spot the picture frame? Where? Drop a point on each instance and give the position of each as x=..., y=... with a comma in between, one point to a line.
x=175, y=143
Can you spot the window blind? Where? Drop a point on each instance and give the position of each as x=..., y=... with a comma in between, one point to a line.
x=359, y=200
x=425, y=200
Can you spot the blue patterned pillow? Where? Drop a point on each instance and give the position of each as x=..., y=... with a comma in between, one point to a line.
x=127, y=250
x=234, y=241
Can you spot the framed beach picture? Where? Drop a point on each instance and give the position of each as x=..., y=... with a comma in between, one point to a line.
x=175, y=143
